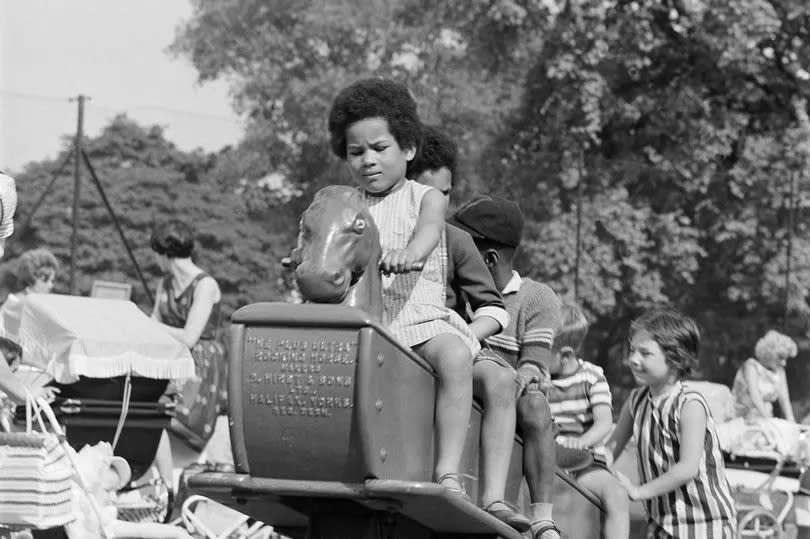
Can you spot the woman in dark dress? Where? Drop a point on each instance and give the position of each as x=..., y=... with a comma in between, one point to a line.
x=187, y=306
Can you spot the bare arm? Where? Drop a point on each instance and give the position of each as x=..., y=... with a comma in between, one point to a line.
x=784, y=397
x=602, y=423
x=622, y=433
x=16, y=389
x=158, y=295
x=693, y=432
x=429, y=225
x=10, y=384
x=425, y=238
x=752, y=385
x=206, y=294
x=484, y=326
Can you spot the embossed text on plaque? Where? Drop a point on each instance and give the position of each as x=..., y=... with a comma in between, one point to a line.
x=310, y=377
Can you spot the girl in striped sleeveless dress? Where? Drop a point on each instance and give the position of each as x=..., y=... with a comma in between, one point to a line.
x=375, y=128
x=683, y=481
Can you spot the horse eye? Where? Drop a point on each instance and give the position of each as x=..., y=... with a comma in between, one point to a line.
x=359, y=225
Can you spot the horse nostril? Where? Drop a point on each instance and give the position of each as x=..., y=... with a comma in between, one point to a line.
x=338, y=278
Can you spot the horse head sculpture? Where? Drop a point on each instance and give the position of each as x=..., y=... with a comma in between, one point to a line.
x=338, y=252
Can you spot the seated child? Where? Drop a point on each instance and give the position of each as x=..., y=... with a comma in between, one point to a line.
x=580, y=402
x=683, y=479
x=375, y=128
x=472, y=294
x=103, y=475
x=496, y=226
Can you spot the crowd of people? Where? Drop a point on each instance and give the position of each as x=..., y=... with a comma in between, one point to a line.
x=525, y=367
x=453, y=295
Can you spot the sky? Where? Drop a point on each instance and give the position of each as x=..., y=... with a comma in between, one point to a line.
x=114, y=51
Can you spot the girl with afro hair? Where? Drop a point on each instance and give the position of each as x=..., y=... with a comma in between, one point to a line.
x=374, y=127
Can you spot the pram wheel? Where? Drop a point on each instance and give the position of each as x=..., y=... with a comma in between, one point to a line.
x=759, y=523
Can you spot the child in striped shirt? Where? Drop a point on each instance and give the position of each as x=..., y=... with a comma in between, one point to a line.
x=683, y=481
x=580, y=402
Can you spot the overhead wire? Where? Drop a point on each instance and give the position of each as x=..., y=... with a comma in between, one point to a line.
x=120, y=108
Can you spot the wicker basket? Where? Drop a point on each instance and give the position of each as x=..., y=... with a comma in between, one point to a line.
x=150, y=502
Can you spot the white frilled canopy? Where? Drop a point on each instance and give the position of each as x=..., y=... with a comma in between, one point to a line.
x=72, y=336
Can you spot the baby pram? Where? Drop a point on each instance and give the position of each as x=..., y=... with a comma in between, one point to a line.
x=764, y=463
x=112, y=365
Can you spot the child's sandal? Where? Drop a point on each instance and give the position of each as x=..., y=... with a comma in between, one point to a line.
x=509, y=515
x=547, y=526
x=458, y=489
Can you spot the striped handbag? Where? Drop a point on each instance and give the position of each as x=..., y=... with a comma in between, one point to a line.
x=36, y=474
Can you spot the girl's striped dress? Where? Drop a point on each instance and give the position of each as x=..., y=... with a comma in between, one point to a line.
x=414, y=303
x=703, y=508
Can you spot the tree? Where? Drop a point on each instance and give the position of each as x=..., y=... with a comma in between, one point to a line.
x=677, y=126
x=687, y=118
x=147, y=179
x=287, y=60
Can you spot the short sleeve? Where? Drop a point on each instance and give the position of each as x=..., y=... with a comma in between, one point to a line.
x=598, y=388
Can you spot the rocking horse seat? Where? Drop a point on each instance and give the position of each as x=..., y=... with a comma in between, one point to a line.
x=331, y=415
x=427, y=504
x=325, y=393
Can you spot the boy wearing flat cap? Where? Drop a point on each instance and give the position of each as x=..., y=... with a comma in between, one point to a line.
x=535, y=312
x=471, y=292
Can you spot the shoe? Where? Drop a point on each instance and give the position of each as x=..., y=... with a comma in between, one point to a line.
x=509, y=514
x=457, y=489
x=548, y=526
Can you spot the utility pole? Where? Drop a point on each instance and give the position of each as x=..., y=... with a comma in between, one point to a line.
x=77, y=176
x=789, y=254
x=578, y=248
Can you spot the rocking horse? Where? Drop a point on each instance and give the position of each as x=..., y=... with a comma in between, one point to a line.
x=332, y=419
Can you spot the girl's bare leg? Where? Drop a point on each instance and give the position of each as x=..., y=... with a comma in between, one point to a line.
x=451, y=359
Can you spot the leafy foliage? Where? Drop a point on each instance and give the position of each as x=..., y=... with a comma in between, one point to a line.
x=146, y=180
x=678, y=128
x=672, y=133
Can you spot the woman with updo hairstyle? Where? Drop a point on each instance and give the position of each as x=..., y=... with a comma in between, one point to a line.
x=187, y=305
x=760, y=381
x=187, y=299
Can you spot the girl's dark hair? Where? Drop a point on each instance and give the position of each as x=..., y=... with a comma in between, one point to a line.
x=374, y=98
x=436, y=150
x=36, y=264
x=677, y=335
x=175, y=239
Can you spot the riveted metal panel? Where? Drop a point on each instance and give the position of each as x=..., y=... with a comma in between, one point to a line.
x=297, y=402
